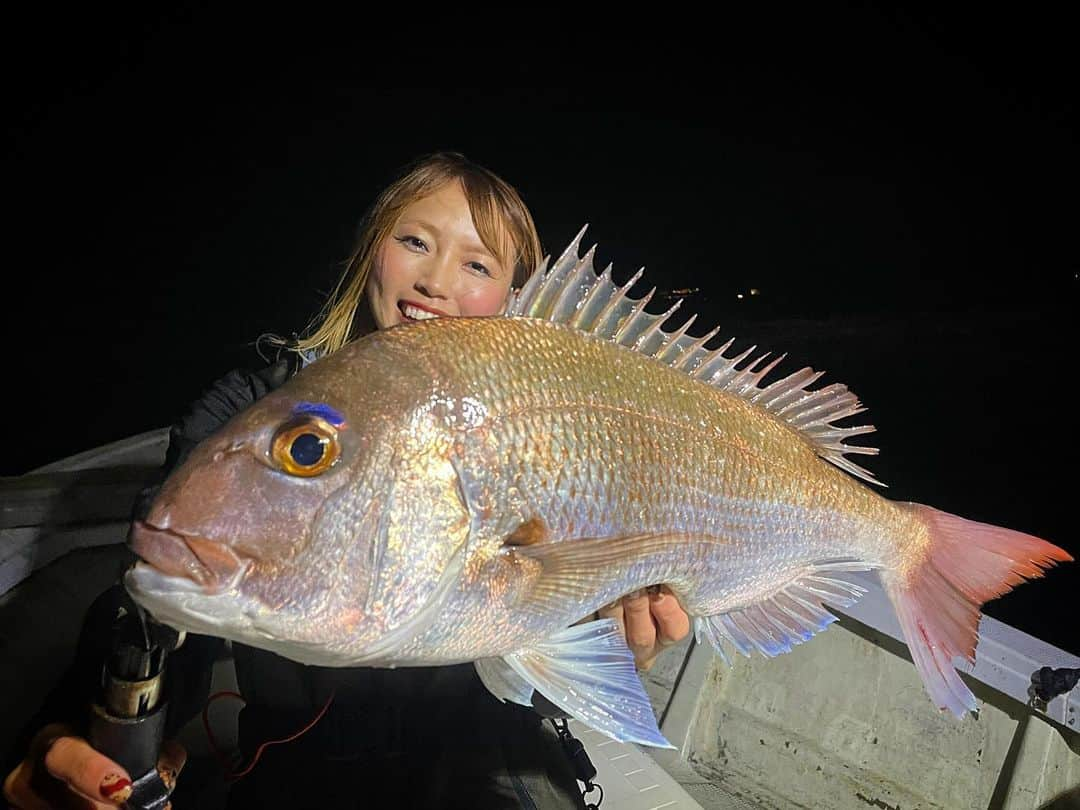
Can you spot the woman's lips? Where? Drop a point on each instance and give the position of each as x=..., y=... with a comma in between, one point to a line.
x=207, y=562
x=403, y=306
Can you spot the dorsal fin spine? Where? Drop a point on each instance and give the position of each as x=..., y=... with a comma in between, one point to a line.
x=672, y=346
x=781, y=392
x=593, y=303
x=713, y=359
x=654, y=328
x=600, y=325
x=723, y=375
x=696, y=351
x=634, y=320
x=551, y=291
x=581, y=280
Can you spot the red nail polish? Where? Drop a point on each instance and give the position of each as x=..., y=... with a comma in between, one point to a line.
x=115, y=788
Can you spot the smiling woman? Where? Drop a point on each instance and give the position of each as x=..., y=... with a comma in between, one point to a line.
x=448, y=238
x=436, y=264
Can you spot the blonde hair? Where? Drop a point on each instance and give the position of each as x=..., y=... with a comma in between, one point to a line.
x=502, y=220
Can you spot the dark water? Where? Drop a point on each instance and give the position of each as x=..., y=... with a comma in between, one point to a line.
x=907, y=214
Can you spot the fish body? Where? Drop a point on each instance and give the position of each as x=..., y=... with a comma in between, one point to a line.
x=496, y=480
x=597, y=446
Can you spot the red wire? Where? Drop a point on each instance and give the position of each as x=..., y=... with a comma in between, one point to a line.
x=233, y=775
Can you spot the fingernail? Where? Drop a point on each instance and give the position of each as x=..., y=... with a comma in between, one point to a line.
x=116, y=788
x=636, y=594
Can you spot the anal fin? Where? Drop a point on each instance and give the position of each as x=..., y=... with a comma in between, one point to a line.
x=791, y=615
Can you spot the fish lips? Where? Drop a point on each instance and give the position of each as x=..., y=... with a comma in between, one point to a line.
x=208, y=563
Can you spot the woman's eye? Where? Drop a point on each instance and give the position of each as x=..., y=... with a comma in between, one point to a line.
x=412, y=242
x=479, y=268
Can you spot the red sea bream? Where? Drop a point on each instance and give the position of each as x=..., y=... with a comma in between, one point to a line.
x=471, y=489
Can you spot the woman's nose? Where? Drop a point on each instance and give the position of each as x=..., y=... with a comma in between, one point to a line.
x=436, y=279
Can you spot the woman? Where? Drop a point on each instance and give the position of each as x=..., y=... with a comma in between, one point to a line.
x=448, y=238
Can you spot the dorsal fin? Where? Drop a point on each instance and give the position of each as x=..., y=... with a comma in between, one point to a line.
x=572, y=293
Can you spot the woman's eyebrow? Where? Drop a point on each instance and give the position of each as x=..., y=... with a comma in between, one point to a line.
x=478, y=247
x=422, y=223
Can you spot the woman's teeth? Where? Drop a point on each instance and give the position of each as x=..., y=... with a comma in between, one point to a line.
x=418, y=314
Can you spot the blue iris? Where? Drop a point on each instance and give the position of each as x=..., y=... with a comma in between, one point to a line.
x=307, y=449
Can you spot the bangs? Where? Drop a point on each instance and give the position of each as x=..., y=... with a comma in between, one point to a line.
x=501, y=225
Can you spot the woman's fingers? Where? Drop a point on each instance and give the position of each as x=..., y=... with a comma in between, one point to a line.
x=632, y=615
x=649, y=622
x=672, y=623
x=87, y=772
x=63, y=772
x=35, y=782
x=640, y=630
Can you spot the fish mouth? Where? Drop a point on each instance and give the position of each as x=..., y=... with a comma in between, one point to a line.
x=211, y=564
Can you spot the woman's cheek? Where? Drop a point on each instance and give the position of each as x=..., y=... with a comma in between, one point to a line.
x=487, y=300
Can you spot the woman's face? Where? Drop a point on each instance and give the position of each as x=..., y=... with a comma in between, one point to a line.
x=435, y=264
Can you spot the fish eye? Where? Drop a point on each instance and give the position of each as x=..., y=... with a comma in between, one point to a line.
x=306, y=447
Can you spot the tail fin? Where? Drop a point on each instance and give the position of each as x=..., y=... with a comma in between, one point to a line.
x=937, y=601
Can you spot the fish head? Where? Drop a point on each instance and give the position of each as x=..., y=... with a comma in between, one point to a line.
x=324, y=522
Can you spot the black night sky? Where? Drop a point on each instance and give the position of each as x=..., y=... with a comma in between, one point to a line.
x=901, y=191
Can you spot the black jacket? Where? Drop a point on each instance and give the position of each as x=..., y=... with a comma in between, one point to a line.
x=415, y=737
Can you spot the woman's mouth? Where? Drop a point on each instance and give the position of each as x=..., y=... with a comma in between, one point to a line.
x=416, y=312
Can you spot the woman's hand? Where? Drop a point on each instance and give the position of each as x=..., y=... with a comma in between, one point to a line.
x=650, y=621
x=62, y=771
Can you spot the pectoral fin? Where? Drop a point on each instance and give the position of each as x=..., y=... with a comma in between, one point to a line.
x=587, y=671
x=575, y=569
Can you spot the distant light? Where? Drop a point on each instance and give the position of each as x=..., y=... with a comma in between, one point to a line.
x=738, y=295
x=754, y=291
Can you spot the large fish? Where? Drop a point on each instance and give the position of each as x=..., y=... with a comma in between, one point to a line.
x=469, y=489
